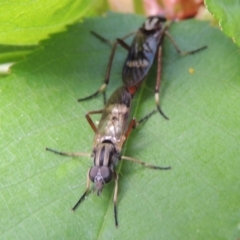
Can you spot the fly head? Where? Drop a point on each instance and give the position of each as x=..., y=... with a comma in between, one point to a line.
x=100, y=175
x=153, y=23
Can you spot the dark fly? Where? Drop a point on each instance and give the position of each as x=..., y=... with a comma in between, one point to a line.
x=145, y=47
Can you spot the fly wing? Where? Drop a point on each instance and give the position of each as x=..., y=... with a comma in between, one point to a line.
x=140, y=58
x=115, y=117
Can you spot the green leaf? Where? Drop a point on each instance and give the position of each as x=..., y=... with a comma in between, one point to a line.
x=28, y=22
x=227, y=13
x=10, y=53
x=197, y=199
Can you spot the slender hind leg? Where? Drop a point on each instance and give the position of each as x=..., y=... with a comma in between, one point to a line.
x=179, y=50
x=84, y=194
x=158, y=81
x=115, y=198
x=109, y=66
x=159, y=68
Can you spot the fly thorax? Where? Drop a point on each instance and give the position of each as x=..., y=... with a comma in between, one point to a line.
x=104, y=153
x=153, y=23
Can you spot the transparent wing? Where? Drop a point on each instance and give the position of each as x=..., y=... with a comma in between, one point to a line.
x=115, y=117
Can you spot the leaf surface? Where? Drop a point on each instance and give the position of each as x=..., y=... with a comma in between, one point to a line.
x=227, y=13
x=26, y=22
x=197, y=199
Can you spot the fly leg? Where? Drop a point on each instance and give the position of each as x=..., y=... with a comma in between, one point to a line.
x=69, y=154
x=134, y=123
x=76, y=154
x=106, y=81
x=131, y=126
x=84, y=194
x=144, y=163
x=179, y=50
x=159, y=67
x=109, y=66
x=90, y=121
x=158, y=81
x=79, y=154
x=144, y=119
x=115, y=198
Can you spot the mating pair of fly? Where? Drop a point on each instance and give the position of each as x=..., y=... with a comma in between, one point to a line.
x=115, y=124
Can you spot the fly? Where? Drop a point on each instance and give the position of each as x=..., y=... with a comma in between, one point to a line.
x=146, y=45
x=113, y=129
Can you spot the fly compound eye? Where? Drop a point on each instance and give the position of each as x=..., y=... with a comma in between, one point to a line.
x=93, y=173
x=106, y=173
